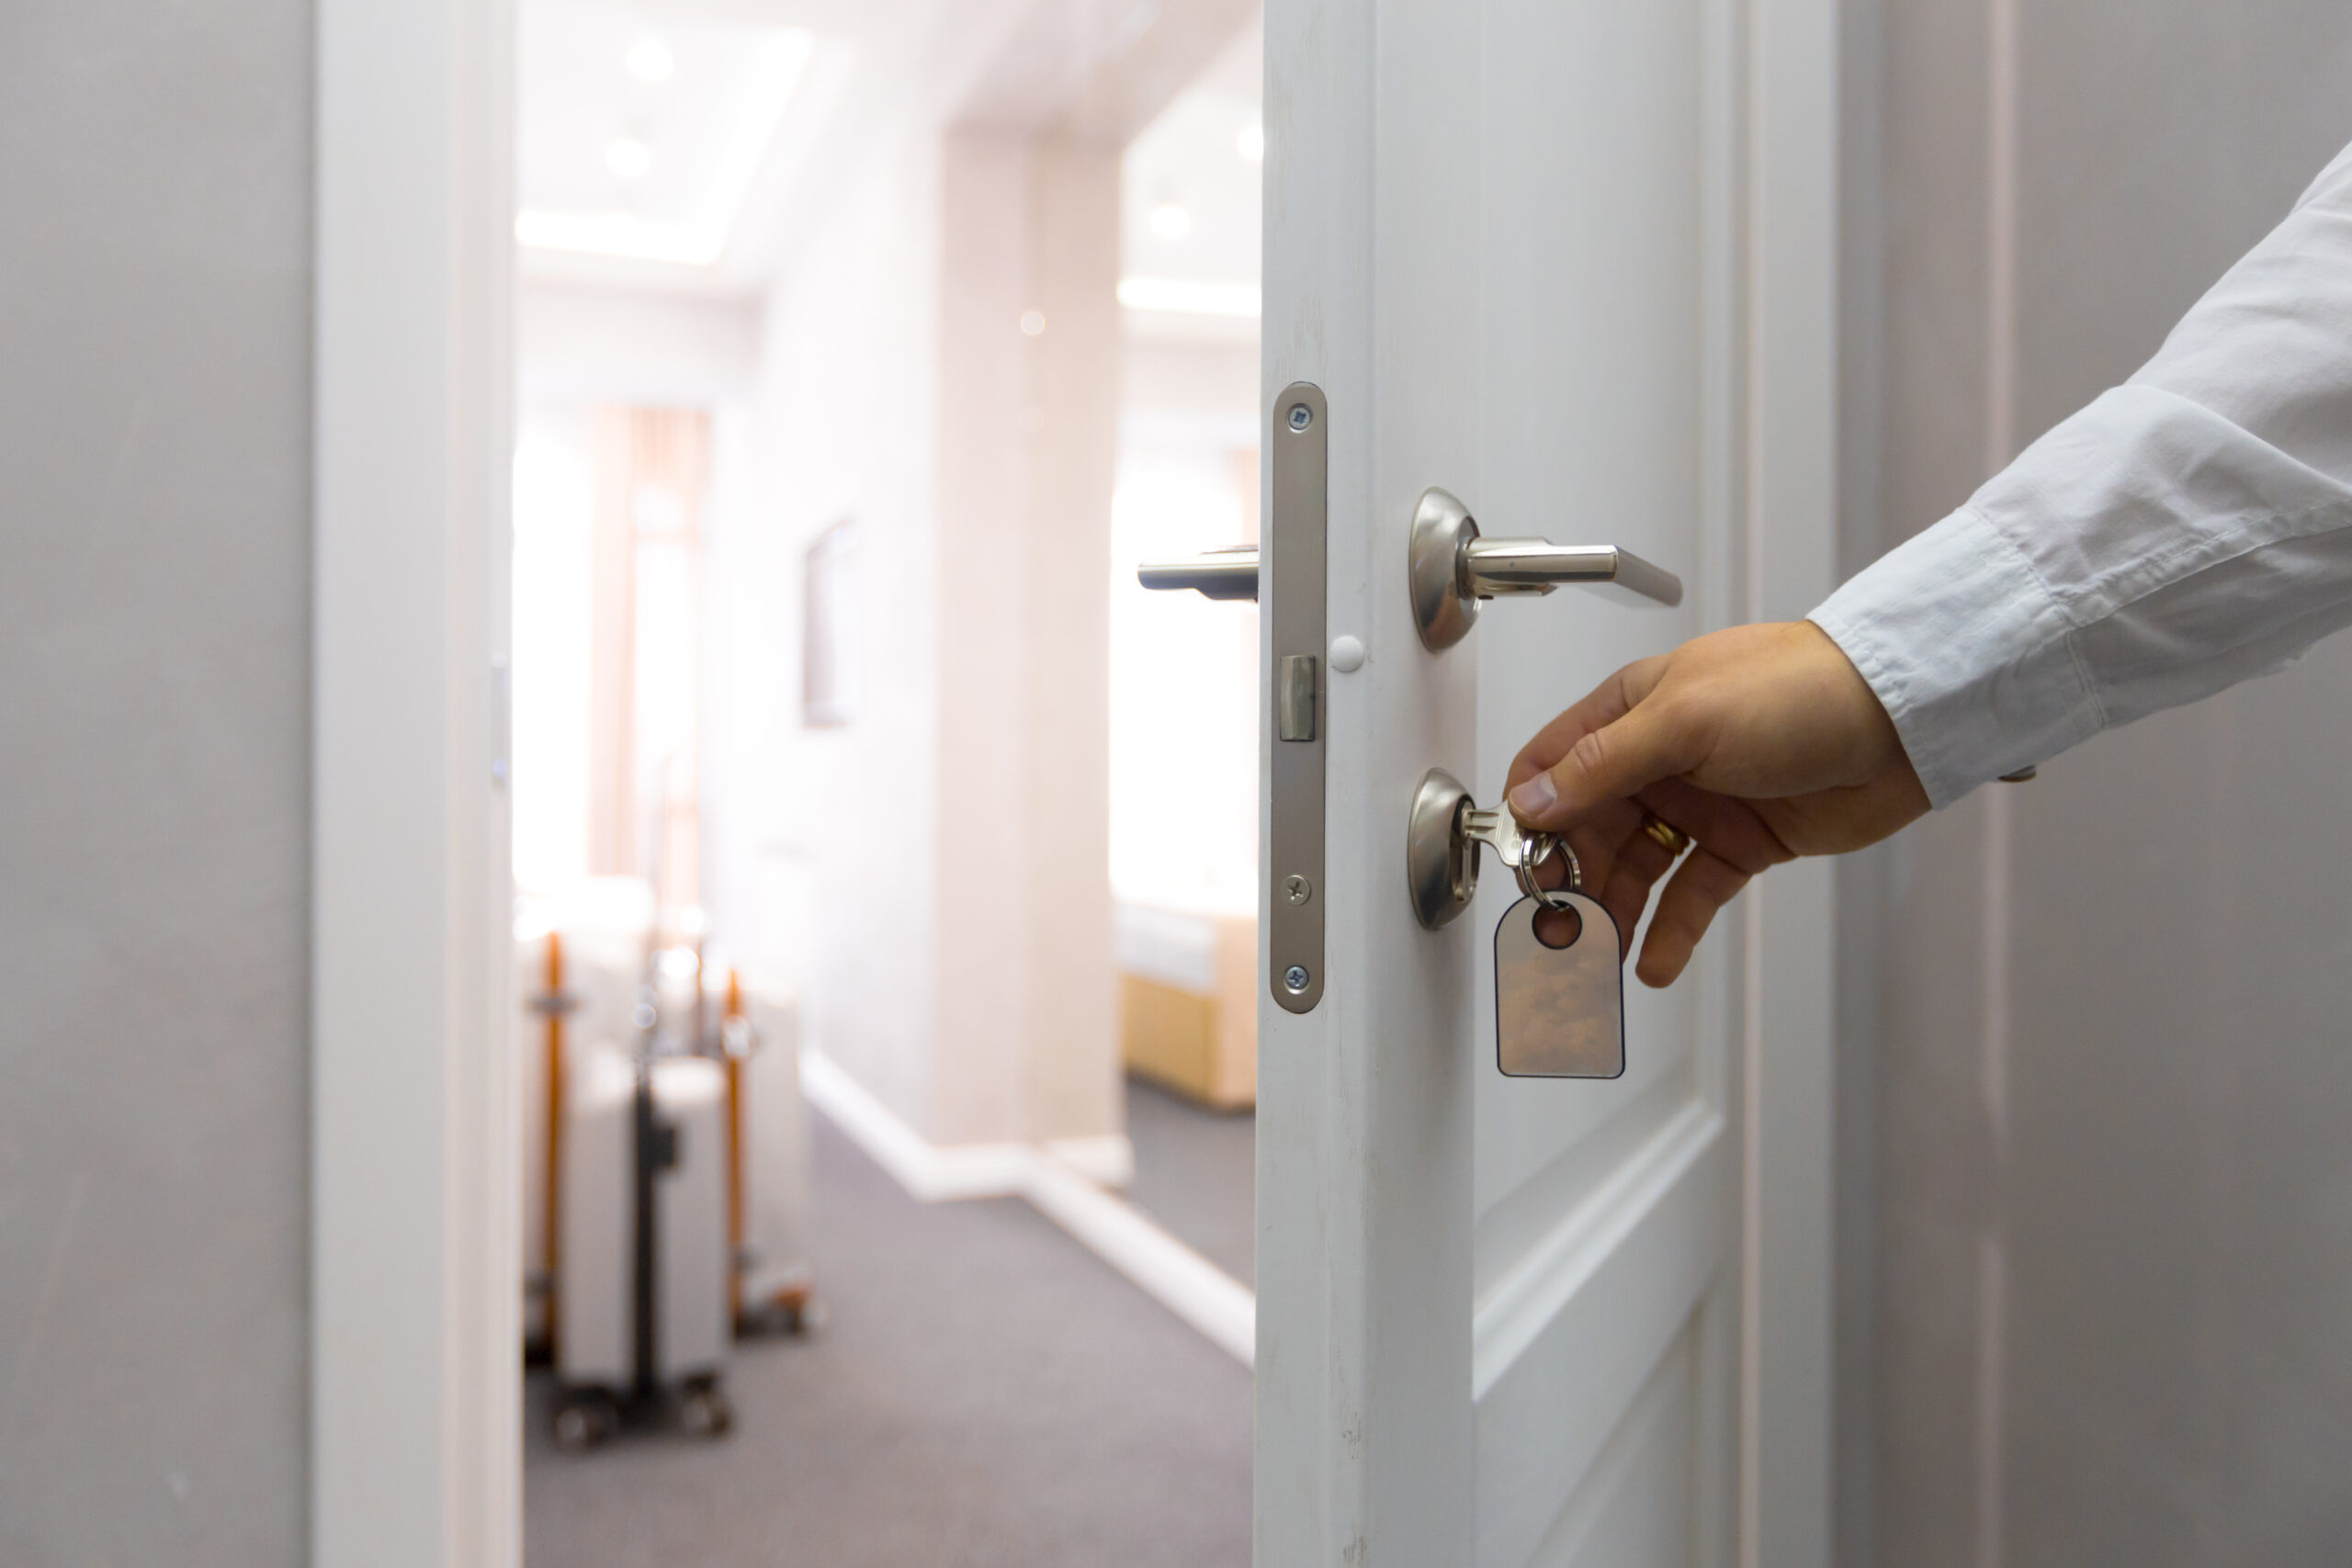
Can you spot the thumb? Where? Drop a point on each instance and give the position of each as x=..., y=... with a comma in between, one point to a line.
x=1649, y=743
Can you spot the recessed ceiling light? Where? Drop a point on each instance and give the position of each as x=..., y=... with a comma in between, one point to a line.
x=1252, y=143
x=1170, y=221
x=1033, y=322
x=627, y=157
x=649, y=61
x=614, y=234
x=1190, y=296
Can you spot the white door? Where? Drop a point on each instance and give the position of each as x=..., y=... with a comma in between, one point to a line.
x=1573, y=260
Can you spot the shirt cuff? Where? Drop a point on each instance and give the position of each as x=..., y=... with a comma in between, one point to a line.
x=1960, y=640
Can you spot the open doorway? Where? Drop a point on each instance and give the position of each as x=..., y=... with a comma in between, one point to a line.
x=857, y=843
x=1184, y=733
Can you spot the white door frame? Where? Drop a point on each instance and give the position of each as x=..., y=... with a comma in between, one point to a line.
x=1790, y=962
x=414, y=1428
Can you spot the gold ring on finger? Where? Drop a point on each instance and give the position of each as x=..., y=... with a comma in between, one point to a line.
x=1665, y=834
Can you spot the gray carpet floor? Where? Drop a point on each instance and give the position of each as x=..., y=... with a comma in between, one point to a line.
x=1196, y=1173
x=984, y=1391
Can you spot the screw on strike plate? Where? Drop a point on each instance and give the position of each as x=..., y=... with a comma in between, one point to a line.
x=1301, y=416
x=1298, y=889
x=1296, y=978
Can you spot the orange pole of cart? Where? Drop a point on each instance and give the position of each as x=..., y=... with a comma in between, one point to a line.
x=555, y=1129
x=734, y=1151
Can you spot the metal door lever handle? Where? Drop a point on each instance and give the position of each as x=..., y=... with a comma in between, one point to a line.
x=1497, y=568
x=1452, y=568
x=1220, y=574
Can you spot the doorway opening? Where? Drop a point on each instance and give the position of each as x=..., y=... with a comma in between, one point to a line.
x=870, y=827
x=1184, y=741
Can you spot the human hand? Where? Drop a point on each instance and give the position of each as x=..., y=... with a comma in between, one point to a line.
x=1761, y=743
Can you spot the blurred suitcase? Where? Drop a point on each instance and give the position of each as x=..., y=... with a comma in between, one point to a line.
x=570, y=990
x=578, y=973
x=775, y=1284
x=643, y=1261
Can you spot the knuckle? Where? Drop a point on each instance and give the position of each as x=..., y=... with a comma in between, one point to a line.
x=1590, y=756
x=1681, y=716
x=1744, y=853
x=1722, y=882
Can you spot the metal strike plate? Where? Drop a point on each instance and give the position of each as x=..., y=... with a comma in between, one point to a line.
x=1292, y=590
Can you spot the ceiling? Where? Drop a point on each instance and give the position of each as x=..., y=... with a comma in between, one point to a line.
x=641, y=134
x=1190, y=196
x=666, y=144
x=653, y=134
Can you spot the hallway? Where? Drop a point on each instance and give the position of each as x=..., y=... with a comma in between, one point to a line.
x=1196, y=1174
x=985, y=1391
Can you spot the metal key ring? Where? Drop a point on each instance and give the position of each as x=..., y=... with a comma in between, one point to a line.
x=1538, y=848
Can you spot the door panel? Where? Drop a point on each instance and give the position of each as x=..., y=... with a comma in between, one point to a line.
x=1594, y=224
x=1605, y=1208
x=1542, y=1155
x=1510, y=1322
x=1564, y=1345
x=1635, y=1510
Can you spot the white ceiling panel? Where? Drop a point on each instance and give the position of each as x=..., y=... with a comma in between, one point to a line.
x=642, y=129
x=1190, y=194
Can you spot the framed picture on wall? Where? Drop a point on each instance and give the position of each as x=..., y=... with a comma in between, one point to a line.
x=830, y=629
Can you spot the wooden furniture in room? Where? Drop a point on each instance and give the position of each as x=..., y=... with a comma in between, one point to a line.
x=1188, y=1003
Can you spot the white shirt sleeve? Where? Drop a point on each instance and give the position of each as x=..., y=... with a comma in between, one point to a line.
x=2188, y=530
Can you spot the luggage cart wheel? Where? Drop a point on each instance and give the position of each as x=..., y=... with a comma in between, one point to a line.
x=584, y=1422
x=705, y=1413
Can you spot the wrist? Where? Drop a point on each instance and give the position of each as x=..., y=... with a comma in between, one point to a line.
x=1869, y=740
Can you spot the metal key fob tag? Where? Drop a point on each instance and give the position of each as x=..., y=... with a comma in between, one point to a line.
x=1559, y=1012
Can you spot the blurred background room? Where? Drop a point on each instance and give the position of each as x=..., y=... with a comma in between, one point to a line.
x=859, y=359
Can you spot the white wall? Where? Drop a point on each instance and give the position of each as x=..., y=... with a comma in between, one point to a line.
x=154, y=780
x=2097, y=1240
x=1028, y=436
x=829, y=835
x=579, y=342
x=933, y=873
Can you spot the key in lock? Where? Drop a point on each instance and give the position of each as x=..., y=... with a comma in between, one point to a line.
x=1559, y=986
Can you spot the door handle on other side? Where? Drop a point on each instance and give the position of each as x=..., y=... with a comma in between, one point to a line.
x=1452, y=569
x=1294, y=595
x=1220, y=574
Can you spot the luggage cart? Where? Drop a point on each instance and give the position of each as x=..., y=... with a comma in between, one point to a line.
x=644, y=1261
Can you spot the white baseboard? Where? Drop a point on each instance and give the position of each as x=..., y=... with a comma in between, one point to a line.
x=931, y=1173
x=1064, y=1180
x=1108, y=1160
x=1172, y=1274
